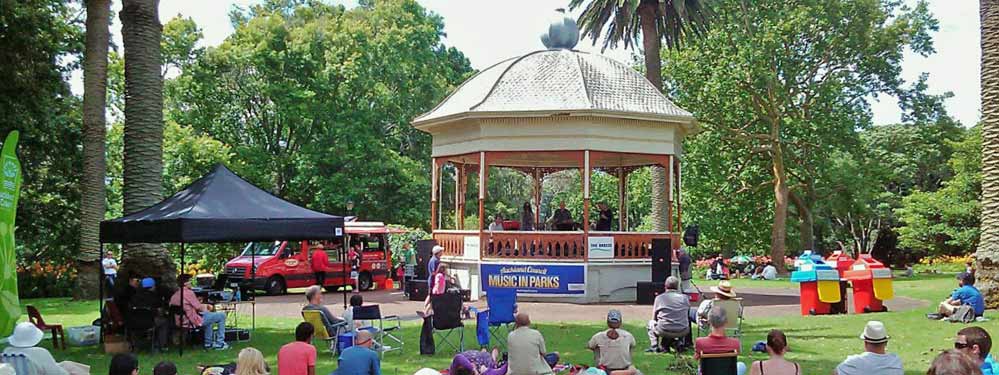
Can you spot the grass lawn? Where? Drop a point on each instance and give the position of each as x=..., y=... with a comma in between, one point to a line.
x=817, y=343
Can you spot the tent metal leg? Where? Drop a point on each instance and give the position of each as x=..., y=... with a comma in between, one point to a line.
x=100, y=296
x=183, y=314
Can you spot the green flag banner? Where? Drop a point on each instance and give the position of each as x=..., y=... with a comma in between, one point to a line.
x=10, y=188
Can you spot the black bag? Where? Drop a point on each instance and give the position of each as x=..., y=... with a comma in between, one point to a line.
x=427, y=346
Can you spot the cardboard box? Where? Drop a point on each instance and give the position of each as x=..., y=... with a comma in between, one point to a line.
x=114, y=344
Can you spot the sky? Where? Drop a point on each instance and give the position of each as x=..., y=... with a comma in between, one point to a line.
x=488, y=32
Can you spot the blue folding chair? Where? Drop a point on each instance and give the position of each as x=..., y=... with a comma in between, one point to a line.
x=502, y=303
x=19, y=362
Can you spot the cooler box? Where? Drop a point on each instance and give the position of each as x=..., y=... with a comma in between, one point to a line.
x=871, y=285
x=344, y=341
x=83, y=336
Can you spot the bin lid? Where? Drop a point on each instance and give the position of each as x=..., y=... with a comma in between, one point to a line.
x=869, y=261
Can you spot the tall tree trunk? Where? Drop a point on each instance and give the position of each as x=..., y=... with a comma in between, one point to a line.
x=143, y=159
x=987, y=255
x=92, y=200
x=652, y=44
x=779, y=230
x=806, y=222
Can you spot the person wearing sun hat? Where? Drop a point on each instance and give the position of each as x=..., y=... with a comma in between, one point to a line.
x=875, y=359
x=723, y=292
x=24, y=340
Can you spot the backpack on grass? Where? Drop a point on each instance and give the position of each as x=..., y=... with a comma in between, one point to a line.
x=963, y=314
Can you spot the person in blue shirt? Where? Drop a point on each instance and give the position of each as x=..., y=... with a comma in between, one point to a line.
x=359, y=359
x=965, y=294
x=976, y=343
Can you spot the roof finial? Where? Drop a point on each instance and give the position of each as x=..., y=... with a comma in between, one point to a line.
x=563, y=33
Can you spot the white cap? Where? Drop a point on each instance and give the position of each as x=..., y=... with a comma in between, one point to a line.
x=438, y=249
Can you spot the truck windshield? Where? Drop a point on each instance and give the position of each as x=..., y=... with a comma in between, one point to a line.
x=262, y=248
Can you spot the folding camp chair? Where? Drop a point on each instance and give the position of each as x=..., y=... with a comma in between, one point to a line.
x=141, y=323
x=502, y=303
x=733, y=310
x=719, y=364
x=447, y=319
x=371, y=313
x=20, y=363
x=315, y=317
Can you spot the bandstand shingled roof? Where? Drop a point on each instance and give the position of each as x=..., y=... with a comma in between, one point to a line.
x=557, y=80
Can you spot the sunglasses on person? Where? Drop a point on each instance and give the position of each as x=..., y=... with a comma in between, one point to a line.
x=961, y=345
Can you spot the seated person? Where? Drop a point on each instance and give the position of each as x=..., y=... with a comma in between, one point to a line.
x=965, y=294
x=526, y=350
x=477, y=362
x=776, y=365
x=24, y=340
x=875, y=359
x=123, y=294
x=613, y=347
x=197, y=315
x=769, y=272
x=497, y=224
x=953, y=362
x=976, y=343
x=359, y=359
x=716, y=342
x=348, y=313
x=298, y=357
x=147, y=297
x=723, y=292
x=314, y=295
x=562, y=218
x=670, y=315
x=124, y=364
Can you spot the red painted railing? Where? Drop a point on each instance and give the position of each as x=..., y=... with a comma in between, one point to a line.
x=549, y=245
x=534, y=245
x=453, y=241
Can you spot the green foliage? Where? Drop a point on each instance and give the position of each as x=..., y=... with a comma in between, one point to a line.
x=946, y=221
x=779, y=88
x=41, y=44
x=315, y=102
x=403, y=245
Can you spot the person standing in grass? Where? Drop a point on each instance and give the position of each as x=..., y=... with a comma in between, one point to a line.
x=776, y=365
x=298, y=357
x=976, y=343
x=875, y=359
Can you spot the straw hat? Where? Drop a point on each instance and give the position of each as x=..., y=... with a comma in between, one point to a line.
x=25, y=335
x=724, y=288
x=875, y=333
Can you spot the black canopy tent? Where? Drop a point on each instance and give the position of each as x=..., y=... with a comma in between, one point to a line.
x=220, y=207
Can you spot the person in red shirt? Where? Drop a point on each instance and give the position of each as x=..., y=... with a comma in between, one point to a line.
x=716, y=342
x=320, y=264
x=298, y=357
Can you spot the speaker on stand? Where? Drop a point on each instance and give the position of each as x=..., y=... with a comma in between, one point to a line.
x=662, y=257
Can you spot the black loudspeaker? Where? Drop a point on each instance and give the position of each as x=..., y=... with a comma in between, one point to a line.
x=416, y=289
x=424, y=250
x=661, y=259
x=236, y=335
x=691, y=234
x=646, y=292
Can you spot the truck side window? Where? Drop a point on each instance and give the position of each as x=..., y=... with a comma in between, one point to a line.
x=292, y=249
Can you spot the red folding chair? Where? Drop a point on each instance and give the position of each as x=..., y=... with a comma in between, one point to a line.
x=58, y=338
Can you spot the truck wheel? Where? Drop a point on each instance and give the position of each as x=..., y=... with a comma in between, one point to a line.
x=364, y=281
x=275, y=286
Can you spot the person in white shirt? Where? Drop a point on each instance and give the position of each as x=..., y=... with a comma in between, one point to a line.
x=770, y=272
x=23, y=341
x=110, y=269
x=497, y=224
x=875, y=359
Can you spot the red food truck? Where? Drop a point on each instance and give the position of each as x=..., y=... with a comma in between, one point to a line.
x=281, y=265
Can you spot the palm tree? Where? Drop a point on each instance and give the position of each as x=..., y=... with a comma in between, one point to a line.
x=143, y=158
x=987, y=255
x=625, y=21
x=92, y=200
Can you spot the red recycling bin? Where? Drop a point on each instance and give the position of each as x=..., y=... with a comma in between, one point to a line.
x=842, y=262
x=871, y=285
x=810, y=303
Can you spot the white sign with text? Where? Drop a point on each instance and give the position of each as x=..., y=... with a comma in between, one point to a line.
x=601, y=247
